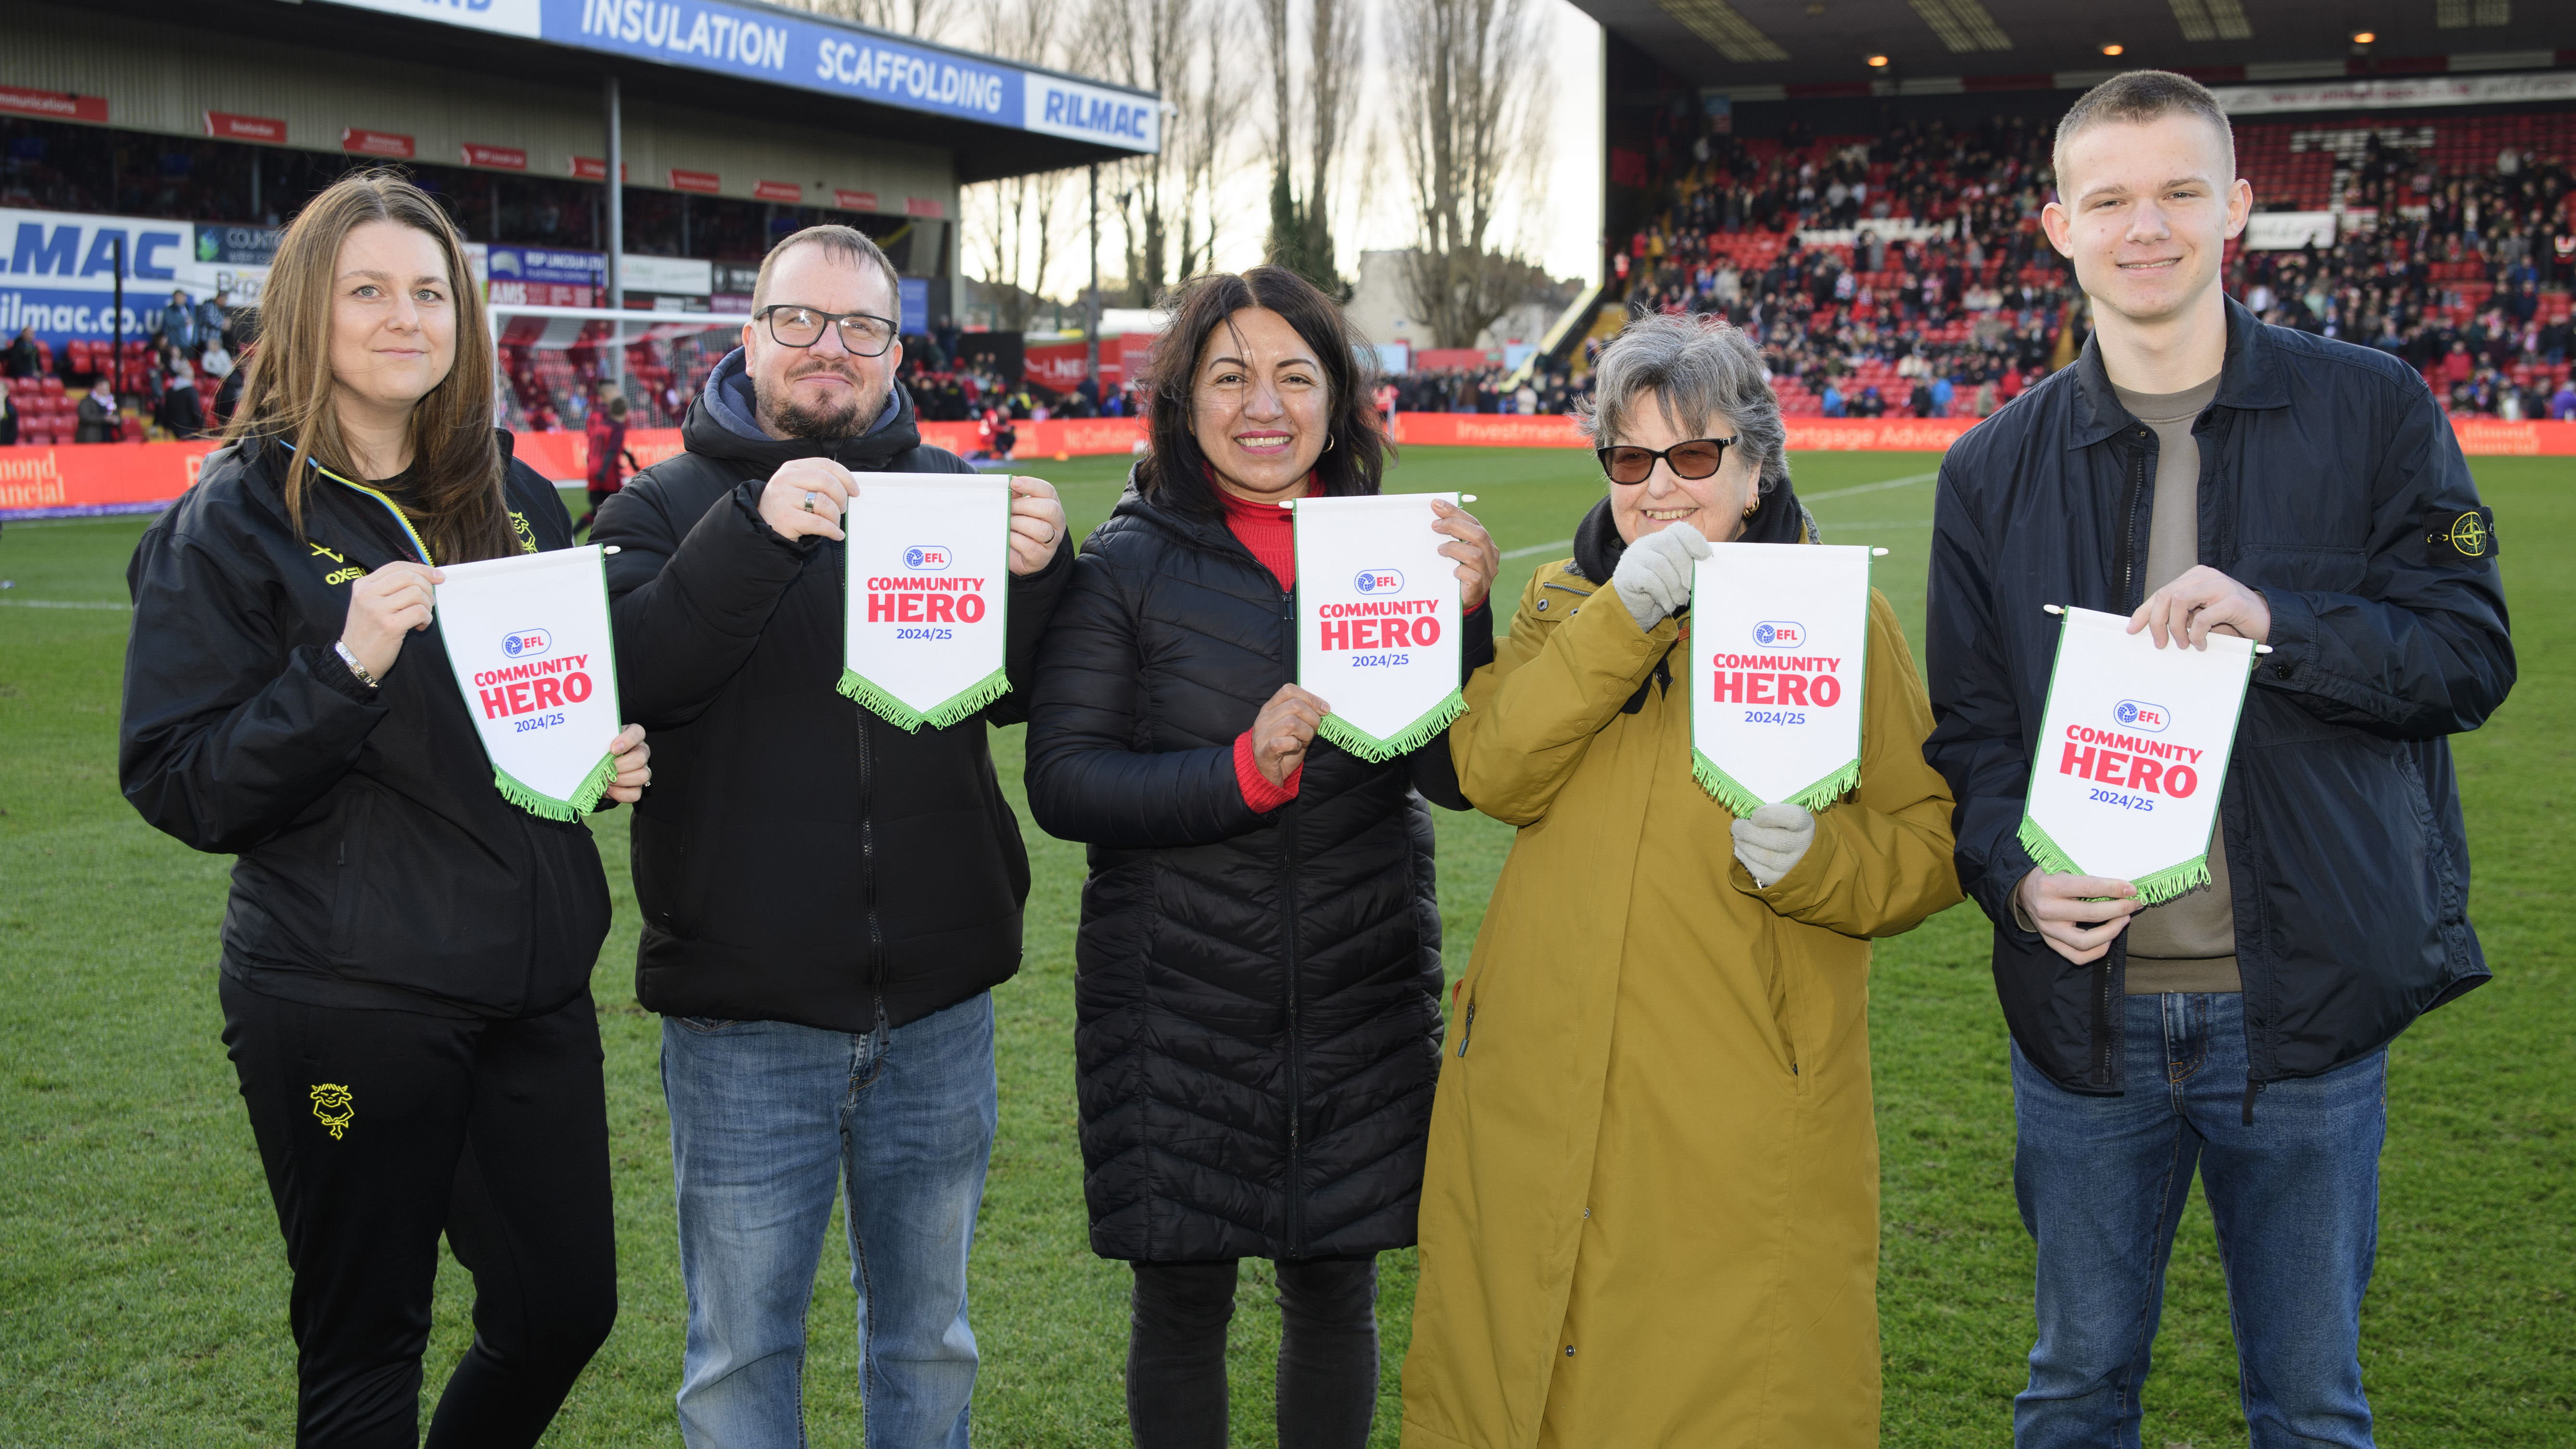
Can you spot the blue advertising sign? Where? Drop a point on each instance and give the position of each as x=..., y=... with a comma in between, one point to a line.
x=58, y=272
x=915, y=321
x=786, y=47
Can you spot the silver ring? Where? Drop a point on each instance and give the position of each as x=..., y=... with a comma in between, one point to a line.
x=809, y=502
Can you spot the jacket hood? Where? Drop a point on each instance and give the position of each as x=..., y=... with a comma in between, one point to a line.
x=721, y=425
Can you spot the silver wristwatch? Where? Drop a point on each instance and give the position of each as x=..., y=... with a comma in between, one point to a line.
x=341, y=648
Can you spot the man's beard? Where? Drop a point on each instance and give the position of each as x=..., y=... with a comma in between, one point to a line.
x=819, y=422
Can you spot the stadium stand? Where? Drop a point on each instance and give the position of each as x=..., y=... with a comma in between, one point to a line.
x=1907, y=272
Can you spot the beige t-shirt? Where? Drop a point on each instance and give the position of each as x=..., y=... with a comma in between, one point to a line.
x=2189, y=942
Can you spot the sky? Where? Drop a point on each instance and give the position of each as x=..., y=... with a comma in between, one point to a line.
x=1559, y=224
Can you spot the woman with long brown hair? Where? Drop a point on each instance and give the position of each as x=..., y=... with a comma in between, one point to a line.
x=1259, y=988
x=406, y=957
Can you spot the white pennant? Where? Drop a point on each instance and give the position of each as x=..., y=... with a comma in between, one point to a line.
x=2132, y=755
x=928, y=596
x=1779, y=641
x=1378, y=620
x=536, y=659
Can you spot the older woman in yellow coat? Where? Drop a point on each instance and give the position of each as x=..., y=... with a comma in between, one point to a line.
x=1651, y=1210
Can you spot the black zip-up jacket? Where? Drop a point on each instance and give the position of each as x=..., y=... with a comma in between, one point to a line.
x=2331, y=483
x=797, y=856
x=1258, y=997
x=379, y=866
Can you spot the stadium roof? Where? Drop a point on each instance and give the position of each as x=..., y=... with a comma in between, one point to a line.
x=737, y=57
x=1793, y=49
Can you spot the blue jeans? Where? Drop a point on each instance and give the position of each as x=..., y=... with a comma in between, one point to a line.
x=2295, y=1197
x=767, y=1121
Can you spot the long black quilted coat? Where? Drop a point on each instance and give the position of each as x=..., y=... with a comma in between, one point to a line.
x=1259, y=1013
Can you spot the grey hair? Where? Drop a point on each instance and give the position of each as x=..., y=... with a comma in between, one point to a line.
x=1698, y=369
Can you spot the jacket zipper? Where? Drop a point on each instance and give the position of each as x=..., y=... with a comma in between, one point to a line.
x=1288, y=958
x=867, y=846
x=2129, y=525
x=2103, y=1064
x=1467, y=1029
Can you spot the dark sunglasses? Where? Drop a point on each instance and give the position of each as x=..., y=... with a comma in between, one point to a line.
x=1696, y=459
x=863, y=334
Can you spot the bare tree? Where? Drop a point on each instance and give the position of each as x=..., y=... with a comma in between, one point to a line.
x=1012, y=221
x=1209, y=114
x=1462, y=71
x=1301, y=235
x=1150, y=44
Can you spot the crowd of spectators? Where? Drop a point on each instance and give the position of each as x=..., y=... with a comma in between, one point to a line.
x=177, y=379
x=1551, y=390
x=1908, y=273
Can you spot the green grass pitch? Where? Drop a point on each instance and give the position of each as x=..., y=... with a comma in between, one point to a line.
x=143, y=1289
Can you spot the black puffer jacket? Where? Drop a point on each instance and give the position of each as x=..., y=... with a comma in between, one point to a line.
x=1259, y=995
x=728, y=650
x=379, y=866
x=2331, y=483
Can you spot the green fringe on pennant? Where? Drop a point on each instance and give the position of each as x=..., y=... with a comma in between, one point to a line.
x=1728, y=791
x=939, y=716
x=584, y=795
x=2153, y=890
x=1405, y=741
x=2168, y=883
x=1829, y=789
x=1722, y=787
x=2045, y=853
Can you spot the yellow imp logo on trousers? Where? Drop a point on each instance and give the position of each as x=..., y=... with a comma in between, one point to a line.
x=331, y=1105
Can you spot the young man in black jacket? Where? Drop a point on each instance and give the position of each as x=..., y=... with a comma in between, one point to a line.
x=827, y=899
x=2202, y=471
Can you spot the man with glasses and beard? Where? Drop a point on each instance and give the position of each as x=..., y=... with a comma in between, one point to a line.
x=827, y=899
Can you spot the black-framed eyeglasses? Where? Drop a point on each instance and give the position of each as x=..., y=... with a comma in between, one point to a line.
x=1699, y=458
x=864, y=333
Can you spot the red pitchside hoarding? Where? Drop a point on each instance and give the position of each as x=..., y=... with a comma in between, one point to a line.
x=71, y=480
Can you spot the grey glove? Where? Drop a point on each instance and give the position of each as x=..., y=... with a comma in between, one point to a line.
x=1772, y=840
x=1654, y=576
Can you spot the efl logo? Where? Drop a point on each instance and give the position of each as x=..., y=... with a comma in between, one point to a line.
x=1780, y=634
x=527, y=643
x=1379, y=581
x=927, y=558
x=2137, y=714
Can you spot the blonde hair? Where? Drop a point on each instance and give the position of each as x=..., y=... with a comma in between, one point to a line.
x=2137, y=98
x=456, y=501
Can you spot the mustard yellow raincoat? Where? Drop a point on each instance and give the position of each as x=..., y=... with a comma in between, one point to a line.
x=1650, y=1215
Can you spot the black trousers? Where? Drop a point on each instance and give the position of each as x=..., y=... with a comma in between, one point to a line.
x=380, y=1130
x=598, y=496
x=1176, y=1395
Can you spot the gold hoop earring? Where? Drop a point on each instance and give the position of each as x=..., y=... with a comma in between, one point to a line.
x=1329, y=441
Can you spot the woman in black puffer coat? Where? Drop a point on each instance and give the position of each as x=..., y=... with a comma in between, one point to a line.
x=1260, y=951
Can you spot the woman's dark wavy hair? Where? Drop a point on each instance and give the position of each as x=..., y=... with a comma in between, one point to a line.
x=1174, y=474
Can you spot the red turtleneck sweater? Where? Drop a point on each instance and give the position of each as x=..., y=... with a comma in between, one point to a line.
x=1270, y=531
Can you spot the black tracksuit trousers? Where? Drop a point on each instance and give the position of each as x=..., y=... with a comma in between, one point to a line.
x=381, y=1129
